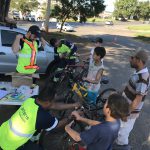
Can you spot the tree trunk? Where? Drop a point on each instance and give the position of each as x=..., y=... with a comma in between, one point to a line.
x=4, y=8
x=47, y=15
x=62, y=23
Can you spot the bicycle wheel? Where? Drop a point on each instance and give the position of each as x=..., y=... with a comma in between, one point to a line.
x=67, y=99
x=101, y=99
x=105, y=93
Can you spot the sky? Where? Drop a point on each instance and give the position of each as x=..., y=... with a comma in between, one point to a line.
x=109, y=5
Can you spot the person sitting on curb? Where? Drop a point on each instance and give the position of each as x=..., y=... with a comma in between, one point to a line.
x=32, y=116
x=101, y=135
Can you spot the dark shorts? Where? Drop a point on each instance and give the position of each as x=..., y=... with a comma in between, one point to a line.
x=30, y=146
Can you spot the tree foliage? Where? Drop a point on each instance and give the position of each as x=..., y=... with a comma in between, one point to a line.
x=24, y=5
x=134, y=8
x=144, y=10
x=71, y=8
x=125, y=8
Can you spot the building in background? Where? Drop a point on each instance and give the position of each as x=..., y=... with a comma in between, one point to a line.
x=105, y=14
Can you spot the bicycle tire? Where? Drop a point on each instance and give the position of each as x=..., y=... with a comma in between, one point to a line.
x=68, y=99
x=101, y=99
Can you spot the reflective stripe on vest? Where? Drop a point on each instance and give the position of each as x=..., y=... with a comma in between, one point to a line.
x=24, y=60
x=72, y=46
x=24, y=55
x=17, y=132
x=33, y=56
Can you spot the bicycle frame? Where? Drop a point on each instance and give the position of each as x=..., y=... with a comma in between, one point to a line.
x=81, y=91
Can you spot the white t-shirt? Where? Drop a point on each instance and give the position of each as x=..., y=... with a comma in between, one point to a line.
x=92, y=72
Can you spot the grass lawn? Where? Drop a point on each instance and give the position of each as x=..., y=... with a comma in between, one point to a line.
x=140, y=27
x=97, y=19
x=142, y=32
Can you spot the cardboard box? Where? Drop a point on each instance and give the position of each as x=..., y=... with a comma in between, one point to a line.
x=21, y=79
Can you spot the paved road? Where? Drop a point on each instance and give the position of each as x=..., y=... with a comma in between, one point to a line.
x=120, y=45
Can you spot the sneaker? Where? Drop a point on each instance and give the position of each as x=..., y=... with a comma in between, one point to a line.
x=121, y=147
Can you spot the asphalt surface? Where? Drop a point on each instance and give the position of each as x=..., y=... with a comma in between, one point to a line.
x=120, y=45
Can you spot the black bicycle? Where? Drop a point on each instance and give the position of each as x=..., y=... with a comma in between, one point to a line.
x=75, y=89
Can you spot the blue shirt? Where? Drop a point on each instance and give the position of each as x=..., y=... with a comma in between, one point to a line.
x=44, y=119
x=101, y=136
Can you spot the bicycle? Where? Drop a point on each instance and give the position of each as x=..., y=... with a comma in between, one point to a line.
x=61, y=77
x=77, y=89
x=94, y=113
x=91, y=111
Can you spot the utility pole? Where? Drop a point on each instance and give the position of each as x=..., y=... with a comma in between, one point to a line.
x=47, y=15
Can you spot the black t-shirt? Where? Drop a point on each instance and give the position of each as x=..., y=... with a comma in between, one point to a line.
x=44, y=119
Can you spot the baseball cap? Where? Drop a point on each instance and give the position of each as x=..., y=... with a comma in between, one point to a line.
x=98, y=39
x=142, y=55
x=35, y=30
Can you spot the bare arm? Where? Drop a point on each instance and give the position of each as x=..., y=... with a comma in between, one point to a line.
x=43, y=41
x=62, y=106
x=74, y=134
x=136, y=102
x=85, y=120
x=16, y=44
x=89, y=121
x=97, y=79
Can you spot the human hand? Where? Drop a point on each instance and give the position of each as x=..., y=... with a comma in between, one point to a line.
x=19, y=36
x=76, y=115
x=84, y=79
x=77, y=105
x=62, y=55
x=68, y=126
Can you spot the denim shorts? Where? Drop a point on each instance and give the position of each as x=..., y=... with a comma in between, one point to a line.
x=92, y=96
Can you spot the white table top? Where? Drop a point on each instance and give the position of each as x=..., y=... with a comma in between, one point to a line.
x=16, y=96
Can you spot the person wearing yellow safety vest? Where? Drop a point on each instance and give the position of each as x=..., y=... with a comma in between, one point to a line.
x=64, y=55
x=32, y=116
x=27, y=48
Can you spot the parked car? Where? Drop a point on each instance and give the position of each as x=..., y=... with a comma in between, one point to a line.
x=29, y=17
x=66, y=26
x=32, y=18
x=109, y=23
x=122, y=19
x=16, y=15
x=8, y=60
